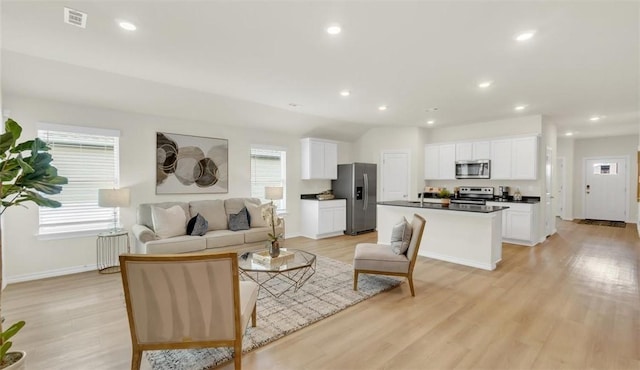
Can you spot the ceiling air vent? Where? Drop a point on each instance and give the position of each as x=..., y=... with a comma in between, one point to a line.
x=75, y=17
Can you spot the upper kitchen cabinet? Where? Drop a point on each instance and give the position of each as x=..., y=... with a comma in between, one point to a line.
x=524, y=158
x=440, y=161
x=514, y=159
x=473, y=150
x=319, y=159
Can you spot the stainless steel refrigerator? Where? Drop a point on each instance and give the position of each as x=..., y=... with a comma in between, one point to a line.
x=357, y=183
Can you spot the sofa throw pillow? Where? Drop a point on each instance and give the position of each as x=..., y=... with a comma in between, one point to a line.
x=198, y=225
x=255, y=214
x=401, y=237
x=239, y=221
x=168, y=222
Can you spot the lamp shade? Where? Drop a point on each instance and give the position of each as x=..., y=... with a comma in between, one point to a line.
x=113, y=197
x=273, y=192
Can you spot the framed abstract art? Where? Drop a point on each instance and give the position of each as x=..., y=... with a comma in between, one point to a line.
x=188, y=164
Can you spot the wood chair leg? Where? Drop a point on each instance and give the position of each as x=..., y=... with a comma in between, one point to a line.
x=237, y=355
x=136, y=359
x=355, y=279
x=253, y=316
x=410, y=278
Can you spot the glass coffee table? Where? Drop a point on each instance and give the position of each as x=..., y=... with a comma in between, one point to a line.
x=278, y=275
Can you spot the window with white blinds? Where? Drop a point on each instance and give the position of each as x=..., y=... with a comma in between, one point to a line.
x=89, y=160
x=268, y=168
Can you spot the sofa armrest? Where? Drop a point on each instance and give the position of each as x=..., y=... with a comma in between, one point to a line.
x=142, y=233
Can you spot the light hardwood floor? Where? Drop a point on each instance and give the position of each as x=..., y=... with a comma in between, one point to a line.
x=571, y=302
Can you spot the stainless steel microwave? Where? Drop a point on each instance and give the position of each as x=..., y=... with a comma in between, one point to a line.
x=478, y=169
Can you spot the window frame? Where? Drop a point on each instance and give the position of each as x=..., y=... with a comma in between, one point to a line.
x=282, y=204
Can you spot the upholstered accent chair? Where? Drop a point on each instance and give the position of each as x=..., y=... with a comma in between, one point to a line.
x=182, y=301
x=380, y=259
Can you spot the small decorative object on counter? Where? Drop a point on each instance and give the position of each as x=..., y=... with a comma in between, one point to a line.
x=445, y=195
x=517, y=196
x=325, y=195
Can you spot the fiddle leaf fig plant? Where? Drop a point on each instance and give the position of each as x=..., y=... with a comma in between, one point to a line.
x=25, y=173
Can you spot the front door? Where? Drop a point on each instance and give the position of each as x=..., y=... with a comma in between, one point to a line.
x=605, y=190
x=395, y=175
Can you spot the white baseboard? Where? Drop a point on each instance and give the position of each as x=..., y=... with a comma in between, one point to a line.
x=50, y=273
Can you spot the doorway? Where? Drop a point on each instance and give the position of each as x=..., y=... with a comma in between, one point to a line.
x=605, y=188
x=561, y=196
x=549, y=217
x=395, y=175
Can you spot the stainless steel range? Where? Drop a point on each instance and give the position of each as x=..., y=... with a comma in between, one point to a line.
x=474, y=195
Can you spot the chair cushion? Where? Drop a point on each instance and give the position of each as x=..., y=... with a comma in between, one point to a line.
x=212, y=210
x=197, y=225
x=379, y=257
x=255, y=213
x=169, y=222
x=239, y=221
x=401, y=237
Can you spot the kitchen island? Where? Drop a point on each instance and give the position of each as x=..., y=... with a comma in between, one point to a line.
x=465, y=234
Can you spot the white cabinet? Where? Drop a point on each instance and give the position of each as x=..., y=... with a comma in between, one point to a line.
x=524, y=158
x=319, y=159
x=501, y=159
x=473, y=150
x=514, y=159
x=440, y=161
x=323, y=218
x=519, y=222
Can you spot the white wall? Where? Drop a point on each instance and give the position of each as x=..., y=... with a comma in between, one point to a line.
x=606, y=147
x=27, y=257
x=527, y=125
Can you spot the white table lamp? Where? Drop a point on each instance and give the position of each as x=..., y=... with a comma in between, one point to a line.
x=114, y=198
x=273, y=192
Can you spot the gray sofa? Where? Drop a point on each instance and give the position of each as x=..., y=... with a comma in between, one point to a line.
x=217, y=237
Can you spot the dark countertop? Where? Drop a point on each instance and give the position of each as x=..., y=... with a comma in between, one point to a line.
x=313, y=197
x=451, y=207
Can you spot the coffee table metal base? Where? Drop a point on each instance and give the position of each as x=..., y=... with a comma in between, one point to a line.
x=292, y=279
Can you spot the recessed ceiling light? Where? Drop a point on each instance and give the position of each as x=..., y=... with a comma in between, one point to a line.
x=485, y=84
x=382, y=107
x=520, y=107
x=568, y=133
x=345, y=92
x=127, y=26
x=524, y=36
x=334, y=29
x=596, y=118
x=430, y=122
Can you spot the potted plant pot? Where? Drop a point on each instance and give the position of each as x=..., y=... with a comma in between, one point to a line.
x=15, y=361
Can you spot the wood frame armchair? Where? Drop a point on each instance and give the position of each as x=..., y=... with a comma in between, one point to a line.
x=183, y=301
x=379, y=259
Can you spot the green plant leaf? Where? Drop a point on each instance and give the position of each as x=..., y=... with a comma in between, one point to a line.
x=4, y=349
x=6, y=142
x=13, y=329
x=25, y=167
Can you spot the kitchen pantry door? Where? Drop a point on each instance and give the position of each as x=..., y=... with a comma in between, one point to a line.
x=605, y=189
x=395, y=175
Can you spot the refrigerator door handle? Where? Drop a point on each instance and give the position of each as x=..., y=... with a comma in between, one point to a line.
x=366, y=190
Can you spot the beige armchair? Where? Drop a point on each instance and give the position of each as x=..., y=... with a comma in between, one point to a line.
x=186, y=301
x=380, y=259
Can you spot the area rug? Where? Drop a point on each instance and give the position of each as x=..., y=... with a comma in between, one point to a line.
x=328, y=291
x=603, y=223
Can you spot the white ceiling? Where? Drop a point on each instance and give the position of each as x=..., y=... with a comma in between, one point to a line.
x=212, y=61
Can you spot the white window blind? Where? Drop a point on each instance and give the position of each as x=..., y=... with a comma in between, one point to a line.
x=268, y=168
x=90, y=162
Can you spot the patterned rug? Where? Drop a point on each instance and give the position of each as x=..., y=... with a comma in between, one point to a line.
x=603, y=223
x=328, y=291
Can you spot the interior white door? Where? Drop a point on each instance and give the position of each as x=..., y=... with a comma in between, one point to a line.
x=560, y=198
x=395, y=175
x=549, y=217
x=605, y=190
